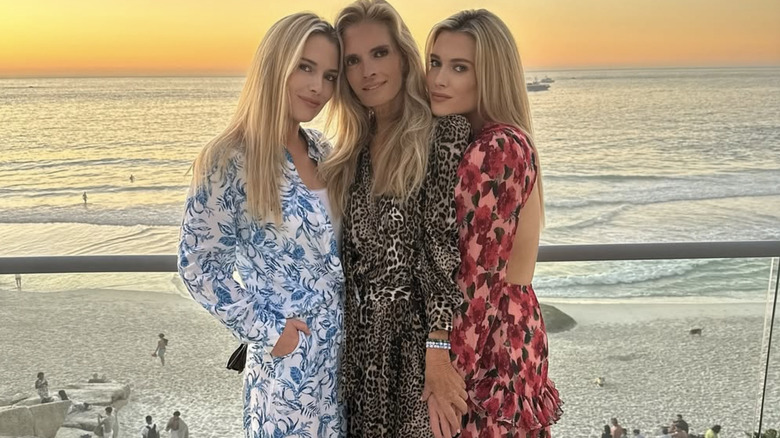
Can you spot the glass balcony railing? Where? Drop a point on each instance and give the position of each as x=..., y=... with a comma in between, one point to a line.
x=639, y=332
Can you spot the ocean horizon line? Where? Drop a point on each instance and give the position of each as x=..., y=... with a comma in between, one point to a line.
x=551, y=69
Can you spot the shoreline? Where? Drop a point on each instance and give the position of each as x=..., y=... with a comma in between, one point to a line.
x=634, y=310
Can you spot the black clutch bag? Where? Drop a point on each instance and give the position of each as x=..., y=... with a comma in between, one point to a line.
x=237, y=360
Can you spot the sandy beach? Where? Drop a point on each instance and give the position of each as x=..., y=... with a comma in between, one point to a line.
x=653, y=368
x=71, y=335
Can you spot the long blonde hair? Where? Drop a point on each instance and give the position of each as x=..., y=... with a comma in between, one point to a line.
x=501, y=93
x=401, y=161
x=260, y=125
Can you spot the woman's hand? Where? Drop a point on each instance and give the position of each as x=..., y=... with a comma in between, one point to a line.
x=288, y=340
x=445, y=392
x=438, y=421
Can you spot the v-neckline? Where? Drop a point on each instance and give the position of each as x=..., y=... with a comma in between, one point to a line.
x=290, y=159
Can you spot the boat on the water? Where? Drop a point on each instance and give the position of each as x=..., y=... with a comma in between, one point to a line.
x=536, y=86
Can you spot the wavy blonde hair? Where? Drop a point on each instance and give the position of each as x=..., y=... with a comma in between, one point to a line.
x=501, y=93
x=401, y=161
x=260, y=125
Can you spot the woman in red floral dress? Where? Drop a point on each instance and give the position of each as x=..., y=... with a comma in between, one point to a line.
x=498, y=341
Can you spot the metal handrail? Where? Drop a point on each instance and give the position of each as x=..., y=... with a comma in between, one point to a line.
x=547, y=253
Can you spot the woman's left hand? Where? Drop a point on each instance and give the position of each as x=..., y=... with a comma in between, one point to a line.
x=445, y=392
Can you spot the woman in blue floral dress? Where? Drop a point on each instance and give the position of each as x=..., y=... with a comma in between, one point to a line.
x=258, y=206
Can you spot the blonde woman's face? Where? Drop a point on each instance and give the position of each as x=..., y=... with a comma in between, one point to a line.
x=451, y=78
x=312, y=83
x=373, y=64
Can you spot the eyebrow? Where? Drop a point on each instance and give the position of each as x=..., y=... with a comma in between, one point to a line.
x=465, y=61
x=374, y=49
x=333, y=70
x=461, y=60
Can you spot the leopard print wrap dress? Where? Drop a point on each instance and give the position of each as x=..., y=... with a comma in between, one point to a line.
x=400, y=261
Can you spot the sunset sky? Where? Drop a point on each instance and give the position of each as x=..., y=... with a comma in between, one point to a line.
x=193, y=37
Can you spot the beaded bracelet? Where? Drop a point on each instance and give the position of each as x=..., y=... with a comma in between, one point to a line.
x=441, y=344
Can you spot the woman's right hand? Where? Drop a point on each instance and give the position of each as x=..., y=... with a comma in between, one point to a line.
x=288, y=340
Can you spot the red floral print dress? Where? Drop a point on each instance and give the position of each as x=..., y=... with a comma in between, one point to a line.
x=499, y=341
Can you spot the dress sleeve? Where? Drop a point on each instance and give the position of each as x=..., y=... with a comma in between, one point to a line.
x=207, y=259
x=496, y=179
x=440, y=242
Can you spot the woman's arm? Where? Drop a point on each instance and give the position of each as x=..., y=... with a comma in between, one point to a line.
x=207, y=257
x=444, y=387
x=441, y=257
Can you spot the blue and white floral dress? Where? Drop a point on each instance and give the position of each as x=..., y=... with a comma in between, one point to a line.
x=291, y=270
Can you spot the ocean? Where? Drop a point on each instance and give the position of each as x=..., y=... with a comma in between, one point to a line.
x=653, y=155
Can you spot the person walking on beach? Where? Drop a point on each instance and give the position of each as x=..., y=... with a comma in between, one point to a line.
x=499, y=339
x=132, y=178
x=18, y=278
x=162, y=344
x=606, y=433
x=258, y=205
x=150, y=429
x=42, y=387
x=84, y=197
x=177, y=426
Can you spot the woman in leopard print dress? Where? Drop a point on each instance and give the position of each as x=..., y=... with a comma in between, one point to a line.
x=498, y=338
x=393, y=174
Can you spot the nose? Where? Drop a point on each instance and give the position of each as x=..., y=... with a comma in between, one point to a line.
x=315, y=85
x=439, y=78
x=369, y=68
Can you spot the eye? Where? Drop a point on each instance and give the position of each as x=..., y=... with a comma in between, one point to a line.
x=460, y=68
x=305, y=67
x=435, y=63
x=381, y=53
x=351, y=60
x=330, y=77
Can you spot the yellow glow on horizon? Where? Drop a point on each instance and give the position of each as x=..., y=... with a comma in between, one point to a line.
x=51, y=37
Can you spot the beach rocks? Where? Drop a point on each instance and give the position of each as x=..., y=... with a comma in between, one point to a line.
x=8, y=400
x=84, y=420
x=16, y=421
x=555, y=320
x=48, y=417
x=67, y=432
x=42, y=420
x=31, y=400
x=27, y=416
x=100, y=394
